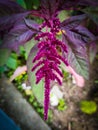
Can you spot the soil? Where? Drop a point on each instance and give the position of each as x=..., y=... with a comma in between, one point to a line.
x=73, y=118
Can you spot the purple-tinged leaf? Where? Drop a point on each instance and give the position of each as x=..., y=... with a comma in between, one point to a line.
x=8, y=7
x=92, y=3
x=10, y=14
x=7, y=22
x=73, y=21
x=70, y=4
x=80, y=35
x=38, y=89
x=49, y=8
x=17, y=36
x=31, y=24
x=77, y=57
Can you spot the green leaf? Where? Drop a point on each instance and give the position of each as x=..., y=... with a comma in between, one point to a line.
x=63, y=15
x=38, y=89
x=30, y=4
x=92, y=12
x=62, y=105
x=88, y=107
x=36, y=4
x=96, y=82
x=11, y=63
x=22, y=3
x=28, y=46
x=4, y=54
x=2, y=69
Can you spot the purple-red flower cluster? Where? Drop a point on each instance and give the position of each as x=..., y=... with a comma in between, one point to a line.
x=48, y=58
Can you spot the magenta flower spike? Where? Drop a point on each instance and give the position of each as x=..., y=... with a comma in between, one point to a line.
x=49, y=58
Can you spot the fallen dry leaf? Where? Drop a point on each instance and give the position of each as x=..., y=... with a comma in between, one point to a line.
x=80, y=81
x=20, y=70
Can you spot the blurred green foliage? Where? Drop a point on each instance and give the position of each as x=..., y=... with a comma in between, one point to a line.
x=62, y=105
x=12, y=63
x=4, y=55
x=88, y=107
x=65, y=74
x=22, y=3
x=29, y=4
x=96, y=81
x=2, y=70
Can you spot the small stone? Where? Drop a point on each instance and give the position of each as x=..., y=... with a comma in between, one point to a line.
x=56, y=91
x=24, y=86
x=53, y=100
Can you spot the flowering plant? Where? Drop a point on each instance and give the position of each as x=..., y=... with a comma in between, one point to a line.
x=44, y=60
